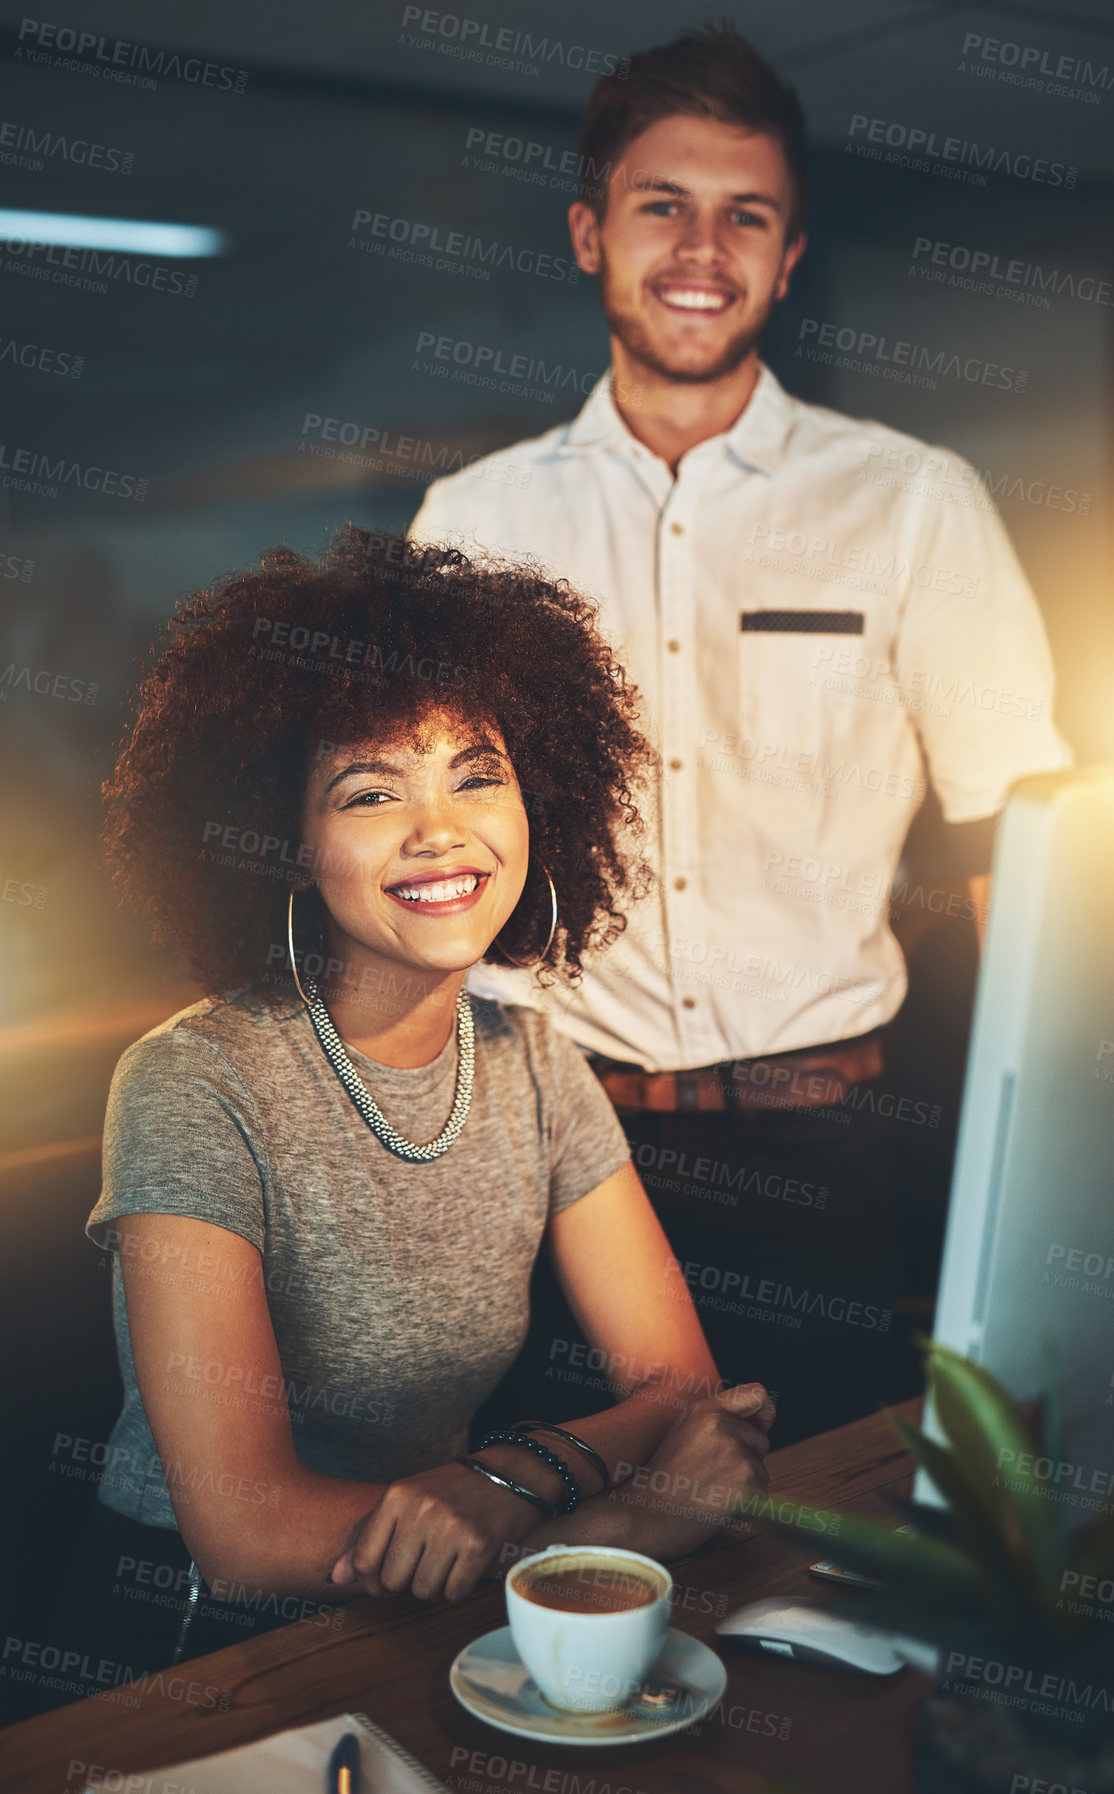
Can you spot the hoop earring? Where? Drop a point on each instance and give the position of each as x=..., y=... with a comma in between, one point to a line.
x=290, y=948
x=526, y=965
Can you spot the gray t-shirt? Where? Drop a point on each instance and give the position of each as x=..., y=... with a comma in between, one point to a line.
x=398, y=1292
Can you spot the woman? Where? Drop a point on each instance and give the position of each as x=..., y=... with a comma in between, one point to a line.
x=375, y=772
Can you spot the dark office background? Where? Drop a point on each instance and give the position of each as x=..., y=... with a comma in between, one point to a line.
x=351, y=106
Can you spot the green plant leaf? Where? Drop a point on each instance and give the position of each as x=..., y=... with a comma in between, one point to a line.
x=993, y=1563
x=983, y=1576
x=993, y=1449
x=897, y=1558
x=951, y=1626
x=920, y=1516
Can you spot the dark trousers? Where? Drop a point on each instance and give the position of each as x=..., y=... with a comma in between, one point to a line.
x=785, y=1226
x=120, y=1612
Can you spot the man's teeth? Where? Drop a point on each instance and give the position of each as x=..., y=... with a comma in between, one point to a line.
x=692, y=299
x=442, y=892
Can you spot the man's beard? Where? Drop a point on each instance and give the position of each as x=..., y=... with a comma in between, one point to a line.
x=636, y=340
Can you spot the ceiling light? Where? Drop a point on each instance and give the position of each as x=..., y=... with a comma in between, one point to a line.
x=131, y=236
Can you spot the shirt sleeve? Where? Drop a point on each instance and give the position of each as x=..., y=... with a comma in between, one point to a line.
x=455, y=514
x=431, y=523
x=181, y=1138
x=587, y=1142
x=972, y=655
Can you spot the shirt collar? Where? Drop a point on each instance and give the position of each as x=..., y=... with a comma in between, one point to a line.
x=757, y=439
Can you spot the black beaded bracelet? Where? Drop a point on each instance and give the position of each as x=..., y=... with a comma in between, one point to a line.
x=547, y=1508
x=572, y=1501
x=590, y=1452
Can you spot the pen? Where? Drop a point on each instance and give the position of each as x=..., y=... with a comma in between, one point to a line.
x=343, y=1773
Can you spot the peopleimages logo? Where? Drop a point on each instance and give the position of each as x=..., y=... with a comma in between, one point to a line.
x=729, y=1284
x=41, y=470
x=982, y=266
x=41, y=359
x=46, y=684
x=23, y=894
x=880, y=565
x=560, y=170
x=860, y=348
x=412, y=240
x=74, y=267
x=24, y=145
x=1027, y=65
x=478, y=40
x=935, y=473
x=881, y=138
x=844, y=670
x=1068, y=1698
x=112, y=57
x=382, y=450
x=504, y=370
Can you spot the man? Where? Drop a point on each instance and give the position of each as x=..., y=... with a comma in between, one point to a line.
x=808, y=627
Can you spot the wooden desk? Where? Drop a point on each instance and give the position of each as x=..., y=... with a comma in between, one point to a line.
x=820, y=1730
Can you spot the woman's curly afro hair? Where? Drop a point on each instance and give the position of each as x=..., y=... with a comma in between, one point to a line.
x=266, y=669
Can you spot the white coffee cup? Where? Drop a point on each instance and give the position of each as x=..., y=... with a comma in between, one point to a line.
x=592, y=1661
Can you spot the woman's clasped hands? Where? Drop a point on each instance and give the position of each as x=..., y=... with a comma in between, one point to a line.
x=437, y=1534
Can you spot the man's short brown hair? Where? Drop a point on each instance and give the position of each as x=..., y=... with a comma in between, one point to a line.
x=710, y=72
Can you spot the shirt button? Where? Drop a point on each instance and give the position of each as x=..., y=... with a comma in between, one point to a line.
x=688, y=1002
x=675, y=765
x=676, y=529
x=673, y=645
x=680, y=884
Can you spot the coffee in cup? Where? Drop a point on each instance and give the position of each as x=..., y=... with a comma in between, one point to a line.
x=589, y=1583
x=589, y=1623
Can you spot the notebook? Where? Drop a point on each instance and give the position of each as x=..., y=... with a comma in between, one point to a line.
x=291, y=1762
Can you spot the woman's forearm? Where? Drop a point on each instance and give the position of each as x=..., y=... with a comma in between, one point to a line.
x=290, y=1547
x=625, y=1435
x=287, y=1548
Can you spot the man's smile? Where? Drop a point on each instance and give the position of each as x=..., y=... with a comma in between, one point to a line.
x=692, y=296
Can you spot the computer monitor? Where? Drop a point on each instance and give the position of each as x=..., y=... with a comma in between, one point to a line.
x=1029, y=1247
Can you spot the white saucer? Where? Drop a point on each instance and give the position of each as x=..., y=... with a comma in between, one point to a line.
x=490, y=1679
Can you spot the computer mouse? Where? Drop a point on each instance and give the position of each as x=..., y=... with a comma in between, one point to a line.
x=794, y=1626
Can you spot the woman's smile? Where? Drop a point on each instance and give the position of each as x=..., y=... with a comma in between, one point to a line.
x=437, y=893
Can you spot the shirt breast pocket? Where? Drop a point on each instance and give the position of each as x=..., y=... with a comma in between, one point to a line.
x=794, y=705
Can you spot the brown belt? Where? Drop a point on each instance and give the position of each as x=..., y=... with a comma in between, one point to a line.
x=800, y=1080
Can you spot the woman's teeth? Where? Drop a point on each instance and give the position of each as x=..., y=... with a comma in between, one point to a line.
x=442, y=892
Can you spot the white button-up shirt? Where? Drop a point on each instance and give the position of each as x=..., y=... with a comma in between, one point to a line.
x=815, y=610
